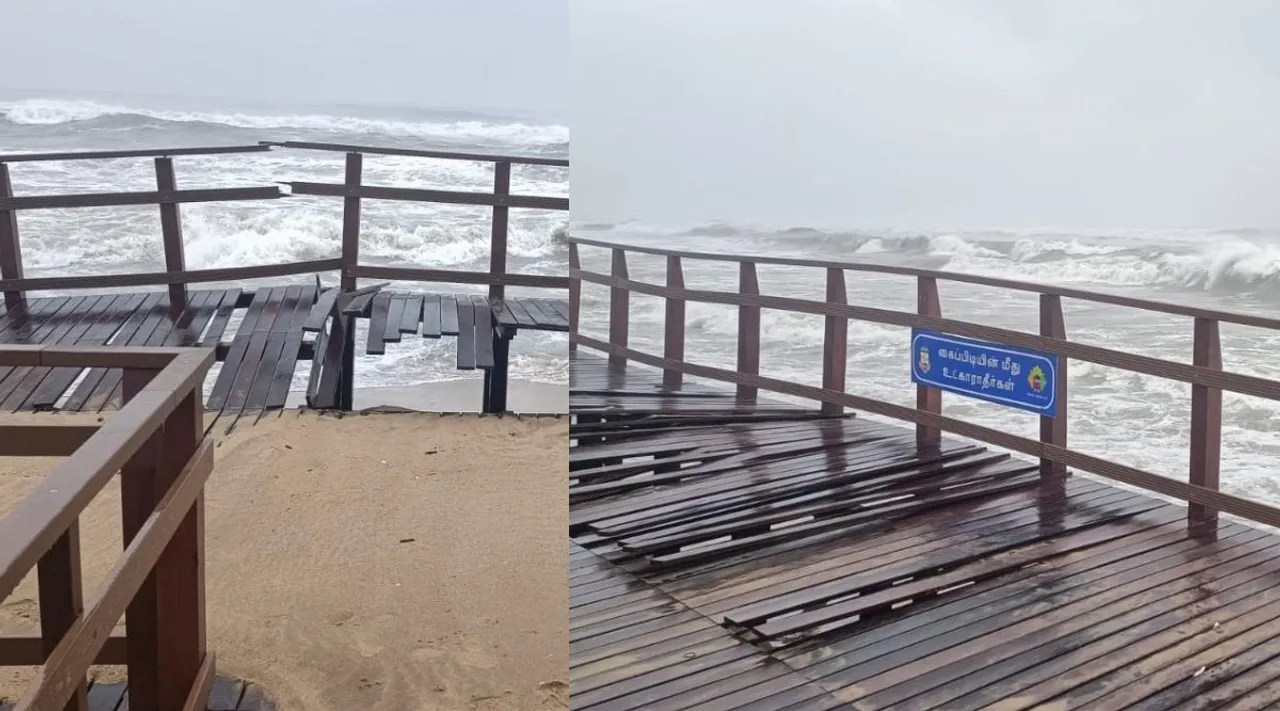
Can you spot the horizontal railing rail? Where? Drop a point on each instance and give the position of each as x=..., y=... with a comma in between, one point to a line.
x=156, y=442
x=132, y=153
x=1205, y=372
x=418, y=153
x=14, y=285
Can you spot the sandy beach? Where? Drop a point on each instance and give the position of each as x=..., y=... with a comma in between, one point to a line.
x=380, y=561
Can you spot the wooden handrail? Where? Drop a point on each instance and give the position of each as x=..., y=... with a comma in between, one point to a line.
x=1205, y=373
x=156, y=442
x=417, y=153
x=1147, y=365
x=959, y=277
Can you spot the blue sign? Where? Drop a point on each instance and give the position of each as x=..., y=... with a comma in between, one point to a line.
x=1006, y=375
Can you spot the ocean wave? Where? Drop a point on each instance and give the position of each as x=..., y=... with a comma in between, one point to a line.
x=1219, y=260
x=95, y=115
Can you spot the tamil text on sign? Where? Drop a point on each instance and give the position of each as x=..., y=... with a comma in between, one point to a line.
x=1007, y=375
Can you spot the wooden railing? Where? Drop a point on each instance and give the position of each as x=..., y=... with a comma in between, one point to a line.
x=156, y=442
x=1205, y=373
x=14, y=285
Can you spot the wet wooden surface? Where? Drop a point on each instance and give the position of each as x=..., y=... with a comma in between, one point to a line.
x=261, y=337
x=227, y=695
x=730, y=554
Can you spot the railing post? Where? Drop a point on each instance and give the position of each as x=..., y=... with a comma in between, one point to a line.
x=928, y=399
x=351, y=220
x=575, y=294
x=171, y=228
x=165, y=622
x=673, y=325
x=10, y=249
x=498, y=242
x=61, y=595
x=748, y=329
x=835, y=341
x=350, y=259
x=1206, y=421
x=619, y=307
x=1053, y=430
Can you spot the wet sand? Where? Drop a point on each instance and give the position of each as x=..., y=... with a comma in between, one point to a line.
x=382, y=561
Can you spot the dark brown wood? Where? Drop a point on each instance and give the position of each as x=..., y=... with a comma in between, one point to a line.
x=835, y=342
x=928, y=399
x=1053, y=430
x=498, y=240
x=673, y=325
x=138, y=485
x=194, y=276
x=351, y=219
x=466, y=333
x=1243, y=319
x=449, y=276
x=412, y=316
x=10, y=247
x=431, y=316
x=575, y=294
x=1246, y=384
x=52, y=202
x=139, y=153
x=448, y=197
x=963, y=603
x=446, y=155
x=1206, y=421
x=175, y=259
x=619, y=307
x=483, y=332
x=62, y=600
x=378, y=324
x=80, y=398
x=395, y=314
x=748, y=329
x=321, y=310
x=449, y=316
x=240, y=347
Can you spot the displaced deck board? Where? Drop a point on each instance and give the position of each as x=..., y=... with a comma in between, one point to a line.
x=395, y=314
x=916, y=577
x=258, y=361
x=239, y=348
x=431, y=319
x=380, y=314
x=466, y=332
x=484, y=332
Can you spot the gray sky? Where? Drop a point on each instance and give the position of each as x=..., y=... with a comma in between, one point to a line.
x=919, y=113
x=452, y=53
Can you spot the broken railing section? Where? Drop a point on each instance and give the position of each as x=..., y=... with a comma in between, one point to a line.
x=1205, y=374
x=156, y=442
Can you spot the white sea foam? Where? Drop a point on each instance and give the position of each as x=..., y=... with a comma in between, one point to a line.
x=216, y=235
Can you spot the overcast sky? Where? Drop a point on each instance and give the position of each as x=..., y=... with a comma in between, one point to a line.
x=916, y=113
x=450, y=53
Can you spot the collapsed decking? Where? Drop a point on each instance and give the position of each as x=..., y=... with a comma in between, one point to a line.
x=728, y=552
x=260, y=356
x=271, y=339
x=917, y=576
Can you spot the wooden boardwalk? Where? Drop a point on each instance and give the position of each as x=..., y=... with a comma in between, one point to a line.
x=732, y=554
x=262, y=352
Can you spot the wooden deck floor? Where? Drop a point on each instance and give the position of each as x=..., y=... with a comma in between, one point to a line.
x=730, y=555
x=262, y=352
